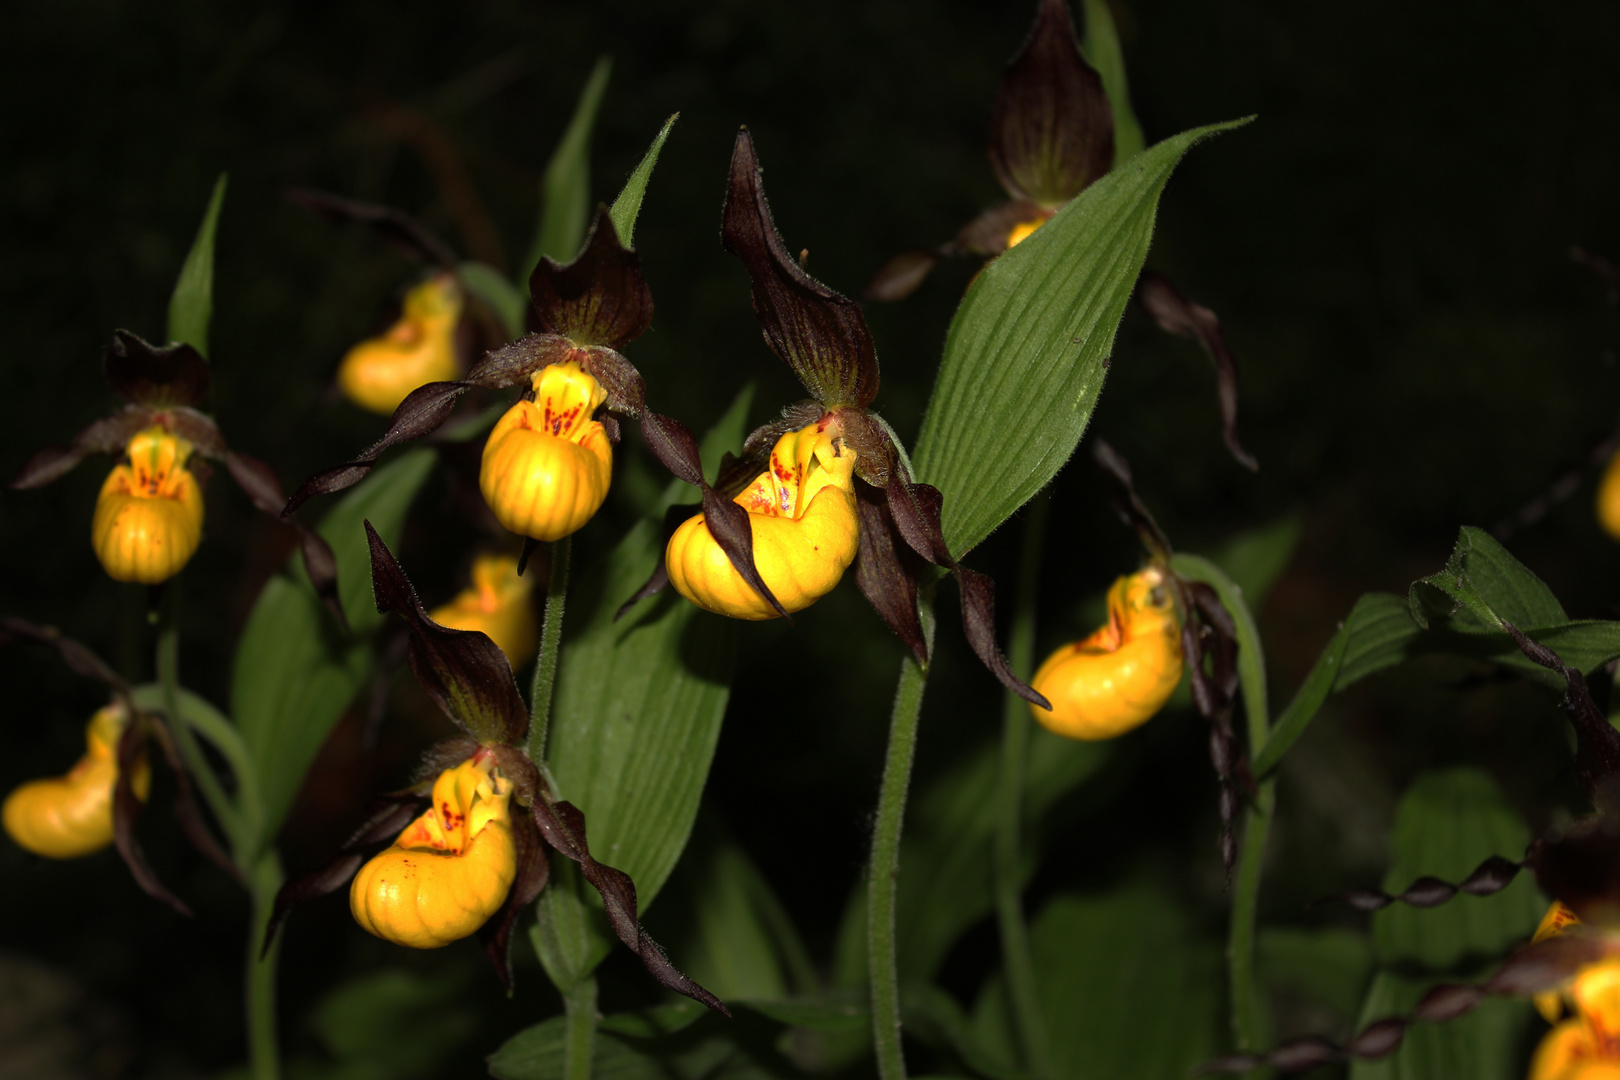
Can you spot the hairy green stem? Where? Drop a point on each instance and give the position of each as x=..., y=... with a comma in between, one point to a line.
x=1016, y=959
x=884, y=877
x=168, y=672
x=545, y=664
x=264, y=1056
x=579, y=1041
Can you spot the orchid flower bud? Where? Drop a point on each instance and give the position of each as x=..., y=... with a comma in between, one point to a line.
x=1586, y=1046
x=65, y=817
x=418, y=349
x=801, y=513
x=547, y=464
x=449, y=870
x=1117, y=678
x=497, y=603
x=149, y=515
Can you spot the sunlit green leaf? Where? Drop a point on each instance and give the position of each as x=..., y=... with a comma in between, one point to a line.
x=1027, y=350
x=565, y=190
x=627, y=207
x=295, y=670
x=192, y=304
x=1102, y=51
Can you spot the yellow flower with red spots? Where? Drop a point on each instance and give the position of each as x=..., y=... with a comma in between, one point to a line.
x=149, y=515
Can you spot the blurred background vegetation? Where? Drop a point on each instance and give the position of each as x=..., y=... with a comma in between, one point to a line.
x=1387, y=247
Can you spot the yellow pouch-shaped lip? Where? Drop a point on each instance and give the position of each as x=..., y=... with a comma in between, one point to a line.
x=69, y=816
x=448, y=871
x=419, y=348
x=547, y=465
x=497, y=603
x=1120, y=676
x=148, y=519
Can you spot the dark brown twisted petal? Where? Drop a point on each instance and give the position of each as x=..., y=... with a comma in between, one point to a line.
x=186, y=811
x=533, y=870
x=1178, y=315
x=915, y=511
x=399, y=230
x=196, y=428
x=601, y=298
x=512, y=364
x=1052, y=129
x=422, y=412
x=127, y=811
x=1127, y=505
x=821, y=334
x=77, y=656
x=1207, y=631
x=1491, y=876
x=463, y=671
x=144, y=374
x=109, y=435
x=1597, y=743
x=263, y=489
x=562, y=826
x=390, y=814
x=1533, y=969
x=880, y=572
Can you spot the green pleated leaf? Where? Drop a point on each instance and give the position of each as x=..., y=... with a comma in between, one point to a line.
x=391, y=1024
x=1381, y=635
x=740, y=943
x=565, y=190
x=1481, y=584
x=627, y=207
x=295, y=670
x=1027, y=350
x=1101, y=50
x=191, y=306
x=1129, y=989
x=1256, y=558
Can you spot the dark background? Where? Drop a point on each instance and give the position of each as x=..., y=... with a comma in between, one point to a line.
x=1387, y=246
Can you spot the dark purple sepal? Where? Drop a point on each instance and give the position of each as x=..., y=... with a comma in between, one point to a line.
x=145, y=374
x=875, y=453
x=513, y=364
x=421, y=413
x=882, y=577
x=626, y=390
x=109, y=435
x=127, y=811
x=399, y=230
x=533, y=870
x=463, y=671
x=262, y=487
x=1052, y=128
x=674, y=447
x=77, y=656
x=1128, y=506
x=186, y=811
x=902, y=275
x=196, y=428
x=601, y=298
x=821, y=334
x=390, y=815
x=1178, y=315
x=562, y=826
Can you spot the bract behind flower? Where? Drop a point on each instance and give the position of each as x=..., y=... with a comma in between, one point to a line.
x=148, y=518
x=449, y=870
x=68, y=816
x=806, y=532
x=418, y=349
x=1120, y=676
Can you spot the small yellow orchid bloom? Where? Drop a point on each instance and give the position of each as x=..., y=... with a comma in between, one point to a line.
x=1587, y=1046
x=1122, y=674
x=65, y=817
x=547, y=464
x=801, y=512
x=1608, y=498
x=149, y=515
x=497, y=603
x=449, y=870
x=420, y=348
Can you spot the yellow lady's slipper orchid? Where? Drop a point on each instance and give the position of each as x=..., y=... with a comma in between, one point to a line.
x=1608, y=498
x=149, y=515
x=547, y=464
x=497, y=603
x=449, y=870
x=801, y=512
x=1117, y=678
x=1586, y=1046
x=420, y=348
x=65, y=817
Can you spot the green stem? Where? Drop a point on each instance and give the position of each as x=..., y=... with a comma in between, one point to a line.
x=579, y=1041
x=884, y=876
x=263, y=1054
x=545, y=664
x=168, y=671
x=1016, y=958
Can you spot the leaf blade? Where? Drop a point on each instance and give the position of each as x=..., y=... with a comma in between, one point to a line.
x=565, y=190
x=627, y=207
x=192, y=304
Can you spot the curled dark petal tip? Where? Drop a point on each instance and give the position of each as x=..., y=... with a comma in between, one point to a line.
x=1175, y=314
x=396, y=228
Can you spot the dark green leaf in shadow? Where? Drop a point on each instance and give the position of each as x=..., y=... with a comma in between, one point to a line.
x=192, y=304
x=392, y=1024
x=627, y=207
x=1027, y=349
x=1316, y=972
x=1481, y=584
x=1256, y=558
x=1484, y=1045
x=492, y=287
x=1312, y=694
x=1101, y=50
x=565, y=190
